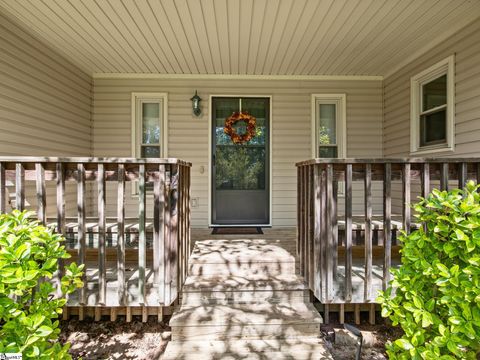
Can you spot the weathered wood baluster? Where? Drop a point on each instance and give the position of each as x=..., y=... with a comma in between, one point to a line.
x=308, y=202
x=330, y=238
x=368, y=233
x=81, y=234
x=168, y=245
x=348, y=232
x=41, y=194
x=189, y=214
x=317, y=289
x=323, y=232
x=102, y=281
x=141, y=235
x=444, y=176
x=3, y=189
x=462, y=175
x=159, y=233
x=425, y=180
x=174, y=231
x=477, y=173
x=60, y=186
x=406, y=198
x=335, y=230
x=299, y=209
x=387, y=224
x=20, y=186
x=122, y=298
x=304, y=222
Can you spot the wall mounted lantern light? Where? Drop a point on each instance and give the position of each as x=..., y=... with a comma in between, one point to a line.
x=196, y=104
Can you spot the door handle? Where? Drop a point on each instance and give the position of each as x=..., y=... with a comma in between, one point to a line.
x=214, y=160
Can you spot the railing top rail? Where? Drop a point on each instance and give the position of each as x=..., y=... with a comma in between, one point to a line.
x=412, y=160
x=92, y=160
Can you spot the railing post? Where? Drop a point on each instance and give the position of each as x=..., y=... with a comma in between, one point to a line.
x=102, y=281
x=317, y=216
x=368, y=232
x=158, y=235
x=122, y=299
x=387, y=224
x=81, y=229
x=406, y=197
x=141, y=234
x=348, y=232
x=330, y=238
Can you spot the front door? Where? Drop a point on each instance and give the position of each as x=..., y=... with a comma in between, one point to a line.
x=240, y=172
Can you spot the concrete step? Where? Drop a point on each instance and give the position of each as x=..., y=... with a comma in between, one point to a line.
x=278, y=349
x=226, y=289
x=246, y=321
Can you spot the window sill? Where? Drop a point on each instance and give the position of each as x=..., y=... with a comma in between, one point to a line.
x=432, y=150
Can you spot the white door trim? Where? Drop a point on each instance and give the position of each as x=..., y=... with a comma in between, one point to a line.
x=270, y=127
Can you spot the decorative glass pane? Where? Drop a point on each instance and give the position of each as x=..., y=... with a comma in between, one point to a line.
x=150, y=151
x=433, y=128
x=259, y=109
x=435, y=93
x=224, y=107
x=151, y=123
x=327, y=152
x=327, y=124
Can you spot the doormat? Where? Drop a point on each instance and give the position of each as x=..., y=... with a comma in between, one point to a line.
x=237, y=230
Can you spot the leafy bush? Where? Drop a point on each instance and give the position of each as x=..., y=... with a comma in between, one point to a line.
x=29, y=255
x=437, y=296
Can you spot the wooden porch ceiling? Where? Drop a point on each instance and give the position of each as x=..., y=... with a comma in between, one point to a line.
x=245, y=37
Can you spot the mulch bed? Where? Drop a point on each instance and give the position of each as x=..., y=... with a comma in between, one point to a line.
x=115, y=340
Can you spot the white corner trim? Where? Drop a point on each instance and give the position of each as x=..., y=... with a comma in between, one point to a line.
x=236, y=77
x=445, y=66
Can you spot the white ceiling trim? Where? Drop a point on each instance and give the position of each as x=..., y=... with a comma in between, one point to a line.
x=236, y=77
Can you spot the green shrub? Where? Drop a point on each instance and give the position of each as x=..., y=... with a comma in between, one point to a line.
x=29, y=255
x=437, y=296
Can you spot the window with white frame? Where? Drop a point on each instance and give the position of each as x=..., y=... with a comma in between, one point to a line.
x=148, y=125
x=432, y=108
x=328, y=125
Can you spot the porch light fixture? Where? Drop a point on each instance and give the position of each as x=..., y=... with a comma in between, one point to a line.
x=196, y=104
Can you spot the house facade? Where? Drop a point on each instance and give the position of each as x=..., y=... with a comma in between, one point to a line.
x=368, y=81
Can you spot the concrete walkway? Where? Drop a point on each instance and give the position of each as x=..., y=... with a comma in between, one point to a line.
x=243, y=300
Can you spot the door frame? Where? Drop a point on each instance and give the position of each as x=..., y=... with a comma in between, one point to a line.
x=270, y=162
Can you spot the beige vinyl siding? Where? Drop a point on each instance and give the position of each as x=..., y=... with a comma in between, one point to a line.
x=465, y=45
x=45, y=104
x=188, y=135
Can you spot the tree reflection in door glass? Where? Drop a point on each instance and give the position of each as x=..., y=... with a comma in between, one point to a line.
x=240, y=168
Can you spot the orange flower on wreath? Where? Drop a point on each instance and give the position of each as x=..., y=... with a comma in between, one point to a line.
x=250, y=121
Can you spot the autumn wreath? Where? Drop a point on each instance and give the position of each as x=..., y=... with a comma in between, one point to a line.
x=232, y=120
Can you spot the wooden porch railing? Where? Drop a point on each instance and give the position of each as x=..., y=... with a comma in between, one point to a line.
x=349, y=215
x=88, y=198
